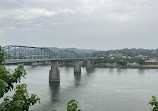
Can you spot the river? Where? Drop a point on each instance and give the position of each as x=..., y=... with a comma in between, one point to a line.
x=103, y=89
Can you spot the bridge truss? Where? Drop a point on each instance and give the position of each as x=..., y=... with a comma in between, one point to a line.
x=15, y=52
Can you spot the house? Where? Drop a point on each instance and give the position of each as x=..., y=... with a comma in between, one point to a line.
x=115, y=55
x=142, y=57
x=151, y=62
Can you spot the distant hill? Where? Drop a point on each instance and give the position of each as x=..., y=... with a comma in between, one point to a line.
x=82, y=52
x=151, y=53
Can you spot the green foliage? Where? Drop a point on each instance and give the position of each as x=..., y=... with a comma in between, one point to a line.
x=7, y=80
x=154, y=103
x=20, y=101
x=141, y=61
x=68, y=62
x=121, y=62
x=73, y=106
x=1, y=56
x=129, y=52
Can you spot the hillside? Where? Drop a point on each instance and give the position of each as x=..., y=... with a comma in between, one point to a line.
x=151, y=53
x=82, y=52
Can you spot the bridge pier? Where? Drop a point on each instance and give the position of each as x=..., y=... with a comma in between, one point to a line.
x=90, y=64
x=54, y=74
x=77, y=67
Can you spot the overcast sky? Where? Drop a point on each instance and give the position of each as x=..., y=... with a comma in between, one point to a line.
x=90, y=24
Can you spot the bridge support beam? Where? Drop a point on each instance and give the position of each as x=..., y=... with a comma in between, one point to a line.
x=54, y=74
x=77, y=67
x=90, y=64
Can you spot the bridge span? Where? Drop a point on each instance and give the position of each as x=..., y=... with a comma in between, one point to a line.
x=25, y=61
x=26, y=54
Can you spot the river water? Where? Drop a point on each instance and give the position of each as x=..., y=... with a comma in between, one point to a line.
x=103, y=89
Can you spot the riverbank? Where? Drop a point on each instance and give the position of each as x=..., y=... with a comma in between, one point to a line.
x=127, y=66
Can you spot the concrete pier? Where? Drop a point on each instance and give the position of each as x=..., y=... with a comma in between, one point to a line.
x=54, y=74
x=77, y=67
x=90, y=64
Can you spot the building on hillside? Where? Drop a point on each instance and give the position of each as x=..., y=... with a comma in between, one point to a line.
x=115, y=55
x=132, y=63
x=151, y=62
x=142, y=57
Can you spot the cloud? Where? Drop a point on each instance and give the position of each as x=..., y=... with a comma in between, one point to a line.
x=6, y=30
x=118, y=10
x=9, y=28
x=1, y=32
x=30, y=13
x=95, y=10
x=82, y=23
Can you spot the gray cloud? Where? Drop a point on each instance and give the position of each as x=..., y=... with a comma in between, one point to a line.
x=97, y=24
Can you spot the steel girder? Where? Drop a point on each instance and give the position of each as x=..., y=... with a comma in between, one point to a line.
x=16, y=52
x=27, y=52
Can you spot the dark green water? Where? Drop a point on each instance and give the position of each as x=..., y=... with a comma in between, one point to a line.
x=103, y=89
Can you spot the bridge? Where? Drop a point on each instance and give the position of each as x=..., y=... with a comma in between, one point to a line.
x=26, y=54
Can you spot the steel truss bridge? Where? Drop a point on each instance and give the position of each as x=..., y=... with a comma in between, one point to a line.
x=22, y=54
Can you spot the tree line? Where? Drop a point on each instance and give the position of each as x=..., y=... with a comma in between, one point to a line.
x=151, y=53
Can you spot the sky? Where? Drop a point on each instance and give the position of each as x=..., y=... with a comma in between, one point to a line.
x=86, y=24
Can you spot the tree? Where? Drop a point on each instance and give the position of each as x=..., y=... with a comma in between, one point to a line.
x=73, y=106
x=1, y=56
x=121, y=62
x=154, y=103
x=20, y=101
x=141, y=61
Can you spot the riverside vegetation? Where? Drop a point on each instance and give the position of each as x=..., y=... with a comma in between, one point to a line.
x=21, y=101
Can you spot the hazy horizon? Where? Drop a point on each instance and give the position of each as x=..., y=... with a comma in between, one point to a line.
x=89, y=48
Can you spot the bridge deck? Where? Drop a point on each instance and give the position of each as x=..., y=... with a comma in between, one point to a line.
x=15, y=61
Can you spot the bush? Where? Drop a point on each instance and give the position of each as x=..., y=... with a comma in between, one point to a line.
x=154, y=103
x=20, y=101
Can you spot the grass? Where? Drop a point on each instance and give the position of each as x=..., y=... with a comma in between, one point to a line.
x=148, y=65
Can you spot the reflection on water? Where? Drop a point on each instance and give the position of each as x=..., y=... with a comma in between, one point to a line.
x=67, y=69
x=89, y=71
x=141, y=71
x=111, y=70
x=54, y=90
x=101, y=89
x=77, y=77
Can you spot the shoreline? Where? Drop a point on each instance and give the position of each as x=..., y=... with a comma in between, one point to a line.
x=98, y=66
x=125, y=67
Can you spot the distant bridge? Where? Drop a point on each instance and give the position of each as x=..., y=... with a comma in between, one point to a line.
x=25, y=54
